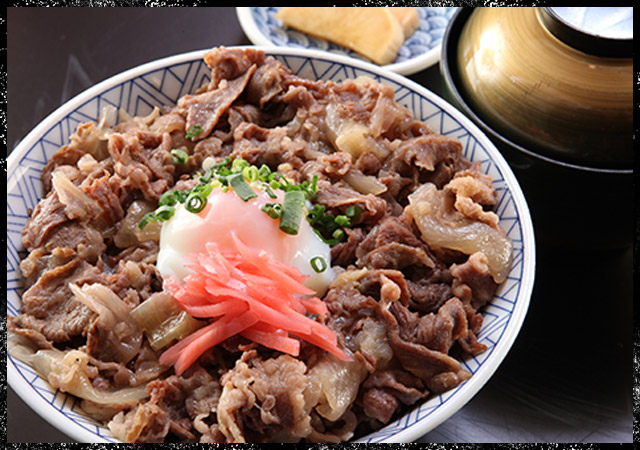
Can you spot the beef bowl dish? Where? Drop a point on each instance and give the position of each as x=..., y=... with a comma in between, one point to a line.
x=260, y=245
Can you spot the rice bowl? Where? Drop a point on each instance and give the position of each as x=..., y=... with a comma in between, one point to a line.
x=163, y=82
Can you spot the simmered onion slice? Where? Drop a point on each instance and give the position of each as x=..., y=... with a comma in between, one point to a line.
x=443, y=226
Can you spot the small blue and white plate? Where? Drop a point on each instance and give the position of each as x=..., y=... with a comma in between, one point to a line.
x=163, y=82
x=420, y=51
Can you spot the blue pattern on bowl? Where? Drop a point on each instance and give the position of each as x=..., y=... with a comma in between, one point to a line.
x=164, y=86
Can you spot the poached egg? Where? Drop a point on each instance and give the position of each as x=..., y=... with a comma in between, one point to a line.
x=226, y=213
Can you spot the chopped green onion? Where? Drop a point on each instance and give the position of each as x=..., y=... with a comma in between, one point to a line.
x=310, y=189
x=353, y=211
x=273, y=210
x=224, y=163
x=274, y=180
x=329, y=242
x=204, y=188
x=223, y=180
x=206, y=177
x=274, y=184
x=195, y=202
x=165, y=213
x=269, y=191
x=148, y=217
x=316, y=213
x=318, y=264
x=240, y=187
x=237, y=174
x=291, y=187
x=343, y=221
x=169, y=198
x=223, y=171
x=292, y=210
x=264, y=172
x=193, y=132
x=179, y=156
x=338, y=234
x=250, y=173
x=239, y=164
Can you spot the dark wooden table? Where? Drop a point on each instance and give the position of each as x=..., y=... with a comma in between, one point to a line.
x=568, y=377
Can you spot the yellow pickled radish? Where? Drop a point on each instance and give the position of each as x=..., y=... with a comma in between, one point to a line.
x=373, y=32
x=408, y=17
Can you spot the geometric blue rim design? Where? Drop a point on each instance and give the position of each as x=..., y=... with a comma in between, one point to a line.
x=162, y=83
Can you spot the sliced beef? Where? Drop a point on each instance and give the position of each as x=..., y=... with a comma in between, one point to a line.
x=383, y=392
x=41, y=260
x=134, y=281
x=146, y=251
x=265, y=83
x=436, y=331
x=473, y=192
x=473, y=282
x=89, y=138
x=260, y=145
x=50, y=308
x=428, y=295
x=339, y=196
x=379, y=404
x=436, y=369
x=264, y=400
x=344, y=253
x=204, y=110
x=230, y=63
x=404, y=386
x=163, y=414
x=77, y=204
x=368, y=163
x=203, y=392
x=146, y=423
x=430, y=287
x=141, y=370
x=87, y=242
x=427, y=157
x=427, y=150
x=130, y=158
x=353, y=317
x=391, y=244
x=453, y=322
x=109, y=194
x=335, y=165
x=387, y=284
x=388, y=118
x=171, y=122
x=348, y=307
x=47, y=215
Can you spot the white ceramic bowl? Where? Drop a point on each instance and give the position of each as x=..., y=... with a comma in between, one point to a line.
x=163, y=82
